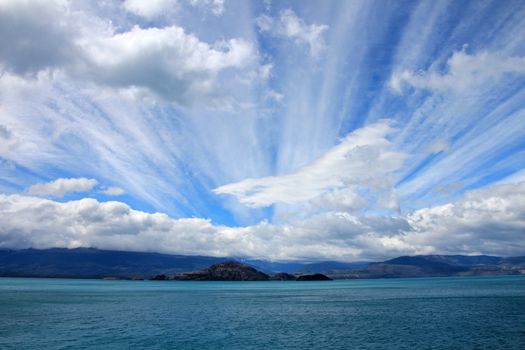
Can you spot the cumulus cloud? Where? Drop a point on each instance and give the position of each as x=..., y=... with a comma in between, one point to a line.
x=167, y=62
x=464, y=72
x=346, y=199
x=35, y=35
x=114, y=191
x=288, y=25
x=485, y=221
x=61, y=187
x=41, y=223
x=363, y=158
x=489, y=220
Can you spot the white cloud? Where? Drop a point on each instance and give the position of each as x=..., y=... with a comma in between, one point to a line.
x=166, y=62
x=346, y=199
x=289, y=26
x=464, y=73
x=485, y=221
x=363, y=158
x=150, y=9
x=35, y=35
x=41, y=223
x=489, y=220
x=61, y=187
x=114, y=191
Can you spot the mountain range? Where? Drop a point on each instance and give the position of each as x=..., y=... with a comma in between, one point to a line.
x=95, y=263
x=437, y=266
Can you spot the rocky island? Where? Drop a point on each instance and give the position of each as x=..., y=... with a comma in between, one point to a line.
x=225, y=271
x=236, y=271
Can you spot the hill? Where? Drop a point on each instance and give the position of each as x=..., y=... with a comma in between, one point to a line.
x=440, y=266
x=225, y=271
x=95, y=263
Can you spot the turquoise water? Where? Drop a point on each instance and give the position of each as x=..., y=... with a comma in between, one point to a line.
x=435, y=313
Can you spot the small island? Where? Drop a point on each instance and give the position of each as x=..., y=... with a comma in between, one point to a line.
x=236, y=271
x=225, y=271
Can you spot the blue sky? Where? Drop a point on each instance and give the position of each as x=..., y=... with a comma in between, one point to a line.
x=284, y=130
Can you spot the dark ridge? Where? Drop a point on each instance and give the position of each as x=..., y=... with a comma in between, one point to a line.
x=95, y=263
x=457, y=260
x=428, y=264
x=441, y=266
x=303, y=267
x=314, y=277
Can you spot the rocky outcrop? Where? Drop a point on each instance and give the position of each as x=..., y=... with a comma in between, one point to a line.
x=226, y=271
x=283, y=276
x=314, y=277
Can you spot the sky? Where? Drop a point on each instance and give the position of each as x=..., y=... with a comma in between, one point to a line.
x=281, y=130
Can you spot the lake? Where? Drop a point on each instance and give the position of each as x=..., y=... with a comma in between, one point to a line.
x=424, y=313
